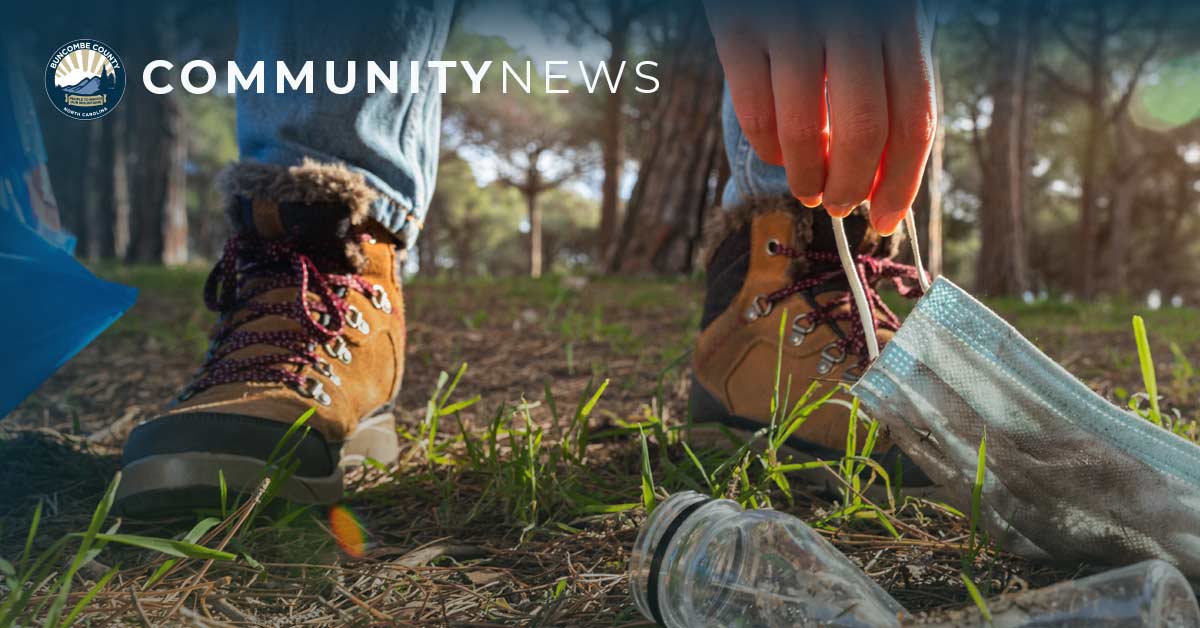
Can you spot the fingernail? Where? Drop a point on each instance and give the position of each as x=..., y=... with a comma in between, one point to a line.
x=888, y=229
x=840, y=210
x=811, y=202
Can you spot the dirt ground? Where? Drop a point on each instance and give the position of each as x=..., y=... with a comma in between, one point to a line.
x=455, y=540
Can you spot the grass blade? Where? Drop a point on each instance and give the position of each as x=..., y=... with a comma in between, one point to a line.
x=462, y=369
x=699, y=467
x=33, y=526
x=581, y=420
x=977, y=598
x=224, y=493
x=85, y=546
x=91, y=595
x=456, y=407
x=586, y=409
x=648, y=499
x=976, y=503
x=170, y=547
x=1147, y=363
x=296, y=425
x=200, y=529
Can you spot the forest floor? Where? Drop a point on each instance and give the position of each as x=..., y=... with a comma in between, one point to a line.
x=519, y=508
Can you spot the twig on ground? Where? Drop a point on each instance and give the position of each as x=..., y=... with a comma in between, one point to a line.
x=242, y=516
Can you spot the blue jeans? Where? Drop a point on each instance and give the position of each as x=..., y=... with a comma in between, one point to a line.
x=749, y=176
x=392, y=139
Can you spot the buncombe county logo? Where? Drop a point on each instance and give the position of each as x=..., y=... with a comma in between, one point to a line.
x=85, y=79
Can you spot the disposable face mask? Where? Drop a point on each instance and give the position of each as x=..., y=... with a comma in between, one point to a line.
x=1069, y=476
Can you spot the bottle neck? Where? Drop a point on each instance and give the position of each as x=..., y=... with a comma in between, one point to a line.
x=673, y=520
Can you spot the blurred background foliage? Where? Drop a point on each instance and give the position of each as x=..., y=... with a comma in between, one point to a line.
x=1068, y=165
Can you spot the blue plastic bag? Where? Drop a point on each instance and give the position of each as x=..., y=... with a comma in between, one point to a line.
x=54, y=306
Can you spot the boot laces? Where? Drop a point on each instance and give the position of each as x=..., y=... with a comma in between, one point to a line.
x=871, y=270
x=250, y=267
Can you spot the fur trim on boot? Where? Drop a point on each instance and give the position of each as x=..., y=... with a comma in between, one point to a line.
x=309, y=203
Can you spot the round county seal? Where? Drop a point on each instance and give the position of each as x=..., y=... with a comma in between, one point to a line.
x=85, y=79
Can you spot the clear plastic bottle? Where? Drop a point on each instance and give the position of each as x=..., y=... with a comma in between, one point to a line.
x=701, y=562
x=1150, y=594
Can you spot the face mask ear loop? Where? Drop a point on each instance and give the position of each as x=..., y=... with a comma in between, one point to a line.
x=865, y=315
x=910, y=224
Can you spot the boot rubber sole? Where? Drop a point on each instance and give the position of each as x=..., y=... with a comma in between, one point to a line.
x=182, y=482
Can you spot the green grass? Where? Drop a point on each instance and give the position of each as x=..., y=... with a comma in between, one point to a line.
x=524, y=473
x=170, y=307
x=1105, y=317
x=1055, y=317
x=1183, y=382
x=539, y=479
x=32, y=577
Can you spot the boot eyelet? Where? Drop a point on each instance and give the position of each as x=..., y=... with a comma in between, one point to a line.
x=831, y=356
x=315, y=390
x=355, y=320
x=772, y=247
x=323, y=368
x=760, y=307
x=801, y=331
x=340, y=291
x=853, y=373
x=379, y=298
x=339, y=350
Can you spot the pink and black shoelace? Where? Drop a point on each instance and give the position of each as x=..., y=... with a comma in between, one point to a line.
x=871, y=270
x=248, y=268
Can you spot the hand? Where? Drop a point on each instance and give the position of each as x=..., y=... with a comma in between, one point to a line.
x=839, y=93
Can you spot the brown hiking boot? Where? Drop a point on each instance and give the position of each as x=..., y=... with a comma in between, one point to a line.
x=312, y=316
x=772, y=256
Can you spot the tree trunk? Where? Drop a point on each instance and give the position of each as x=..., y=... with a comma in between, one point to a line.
x=1123, y=187
x=613, y=144
x=1089, y=159
x=70, y=143
x=157, y=156
x=934, y=172
x=95, y=195
x=464, y=237
x=159, y=213
x=535, y=231
x=1088, y=223
x=1173, y=234
x=122, y=209
x=1118, y=252
x=174, y=203
x=1002, y=266
x=1019, y=146
x=678, y=177
x=427, y=245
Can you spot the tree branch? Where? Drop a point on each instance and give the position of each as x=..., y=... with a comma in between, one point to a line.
x=1136, y=77
x=581, y=15
x=1117, y=27
x=1062, y=83
x=988, y=37
x=1061, y=30
x=640, y=8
